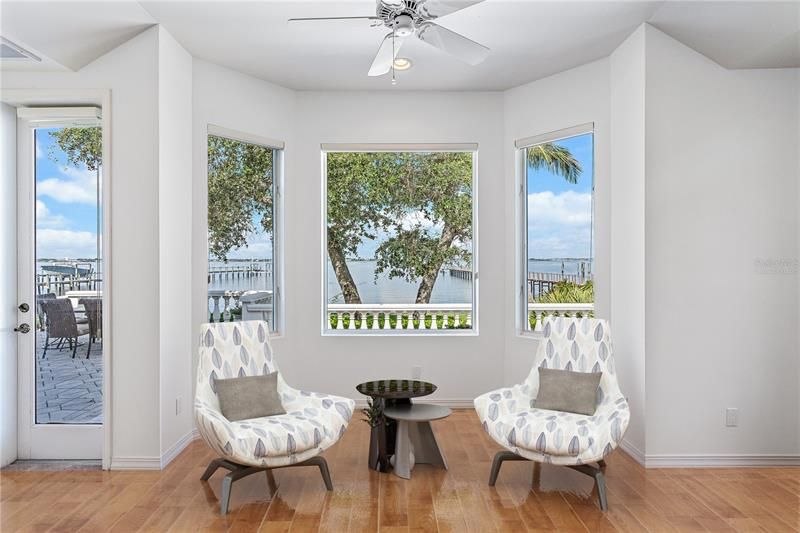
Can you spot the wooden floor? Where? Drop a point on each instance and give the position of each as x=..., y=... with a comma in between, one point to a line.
x=757, y=499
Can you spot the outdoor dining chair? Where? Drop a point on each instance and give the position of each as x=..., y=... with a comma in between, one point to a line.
x=60, y=324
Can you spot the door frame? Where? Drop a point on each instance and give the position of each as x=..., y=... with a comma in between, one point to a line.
x=100, y=98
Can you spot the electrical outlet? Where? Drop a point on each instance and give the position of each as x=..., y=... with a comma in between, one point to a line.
x=178, y=406
x=416, y=372
x=731, y=417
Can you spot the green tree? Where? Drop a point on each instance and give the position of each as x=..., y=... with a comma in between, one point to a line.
x=82, y=146
x=240, y=199
x=356, y=210
x=432, y=219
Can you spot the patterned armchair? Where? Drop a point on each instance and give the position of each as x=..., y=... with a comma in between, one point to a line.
x=508, y=415
x=313, y=422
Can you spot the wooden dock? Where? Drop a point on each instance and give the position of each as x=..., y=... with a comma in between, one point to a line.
x=232, y=271
x=540, y=283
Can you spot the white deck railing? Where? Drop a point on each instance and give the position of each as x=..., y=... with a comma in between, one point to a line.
x=538, y=311
x=390, y=317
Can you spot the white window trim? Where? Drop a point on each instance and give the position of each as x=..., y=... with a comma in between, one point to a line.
x=277, y=147
x=521, y=231
x=325, y=148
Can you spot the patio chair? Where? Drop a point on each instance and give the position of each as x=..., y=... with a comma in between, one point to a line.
x=60, y=324
x=39, y=310
x=510, y=417
x=313, y=422
x=94, y=313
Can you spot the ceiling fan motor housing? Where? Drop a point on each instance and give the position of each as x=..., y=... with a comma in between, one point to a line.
x=402, y=16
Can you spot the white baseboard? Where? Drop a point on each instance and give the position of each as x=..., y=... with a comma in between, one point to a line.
x=135, y=463
x=177, y=448
x=632, y=450
x=453, y=403
x=154, y=463
x=719, y=461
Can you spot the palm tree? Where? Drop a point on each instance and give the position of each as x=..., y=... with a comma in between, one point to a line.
x=556, y=159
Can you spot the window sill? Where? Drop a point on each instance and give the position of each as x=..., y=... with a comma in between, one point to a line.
x=535, y=335
x=401, y=333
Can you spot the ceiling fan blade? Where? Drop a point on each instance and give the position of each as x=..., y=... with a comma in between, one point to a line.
x=373, y=20
x=451, y=42
x=384, y=58
x=438, y=8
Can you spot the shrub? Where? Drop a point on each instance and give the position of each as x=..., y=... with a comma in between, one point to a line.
x=462, y=321
x=370, y=320
x=392, y=320
x=346, y=320
x=404, y=320
x=428, y=321
x=567, y=292
x=532, y=320
x=211, y=318
x=334, y=320
x=439, y=321
x=381, y=320
x=358, y=320
x=451, y=321
x=415, y=320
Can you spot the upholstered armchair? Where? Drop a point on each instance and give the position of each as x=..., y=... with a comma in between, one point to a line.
x=508, y=415
x=313, y=422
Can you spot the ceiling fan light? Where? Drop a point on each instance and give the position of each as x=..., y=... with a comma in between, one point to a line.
x=402, y=63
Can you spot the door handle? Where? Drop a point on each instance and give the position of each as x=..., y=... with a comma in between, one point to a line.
x=23, y=307
x=23, y=328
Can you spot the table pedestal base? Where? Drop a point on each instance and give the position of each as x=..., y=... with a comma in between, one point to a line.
x=416, y=443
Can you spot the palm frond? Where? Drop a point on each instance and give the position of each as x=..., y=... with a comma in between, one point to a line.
x=556, y=159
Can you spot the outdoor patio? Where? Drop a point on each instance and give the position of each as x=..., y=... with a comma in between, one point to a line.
x=69, y=391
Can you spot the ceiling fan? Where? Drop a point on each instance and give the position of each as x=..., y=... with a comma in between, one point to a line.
x=407, y=18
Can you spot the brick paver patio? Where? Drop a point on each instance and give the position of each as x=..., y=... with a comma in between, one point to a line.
x=69, y=391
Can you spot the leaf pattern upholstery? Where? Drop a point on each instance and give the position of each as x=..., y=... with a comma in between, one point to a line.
x=508, y=415
x=312, y=423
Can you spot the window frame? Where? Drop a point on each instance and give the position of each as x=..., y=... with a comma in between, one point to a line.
x=521, y=186
x=326, y=148
x=277, y=147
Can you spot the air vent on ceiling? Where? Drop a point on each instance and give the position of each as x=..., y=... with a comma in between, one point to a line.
x=14, y=52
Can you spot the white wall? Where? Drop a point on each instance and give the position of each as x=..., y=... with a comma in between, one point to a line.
x=8, y=285
x=627, y=99
x=130, y=71
x=462, y=367
x=237, y=102
x=570, y=98
x=722, y=189
x=305, y=120
x=175, y=249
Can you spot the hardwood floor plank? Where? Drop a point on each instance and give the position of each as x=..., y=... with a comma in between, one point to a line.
x=548, y=498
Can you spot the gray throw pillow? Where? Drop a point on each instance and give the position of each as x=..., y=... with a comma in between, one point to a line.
x=568, y=391
x=249, y=397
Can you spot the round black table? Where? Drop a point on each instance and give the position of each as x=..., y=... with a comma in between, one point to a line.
x=388, y=393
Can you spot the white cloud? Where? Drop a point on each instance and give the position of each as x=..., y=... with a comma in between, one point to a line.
x=45, y=219
x=559, y=225
x=65, y=244
x=80, y=186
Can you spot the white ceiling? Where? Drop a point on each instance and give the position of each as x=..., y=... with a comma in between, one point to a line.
x=529, y=39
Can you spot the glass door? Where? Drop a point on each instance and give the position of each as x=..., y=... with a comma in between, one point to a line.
x=60, y=284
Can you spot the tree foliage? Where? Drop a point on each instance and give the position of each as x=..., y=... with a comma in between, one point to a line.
x=82, y=146
x=422, y=201
x=240, y=199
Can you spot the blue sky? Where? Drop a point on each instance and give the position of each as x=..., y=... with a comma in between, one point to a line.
x=560, y=213
x=66, y=204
